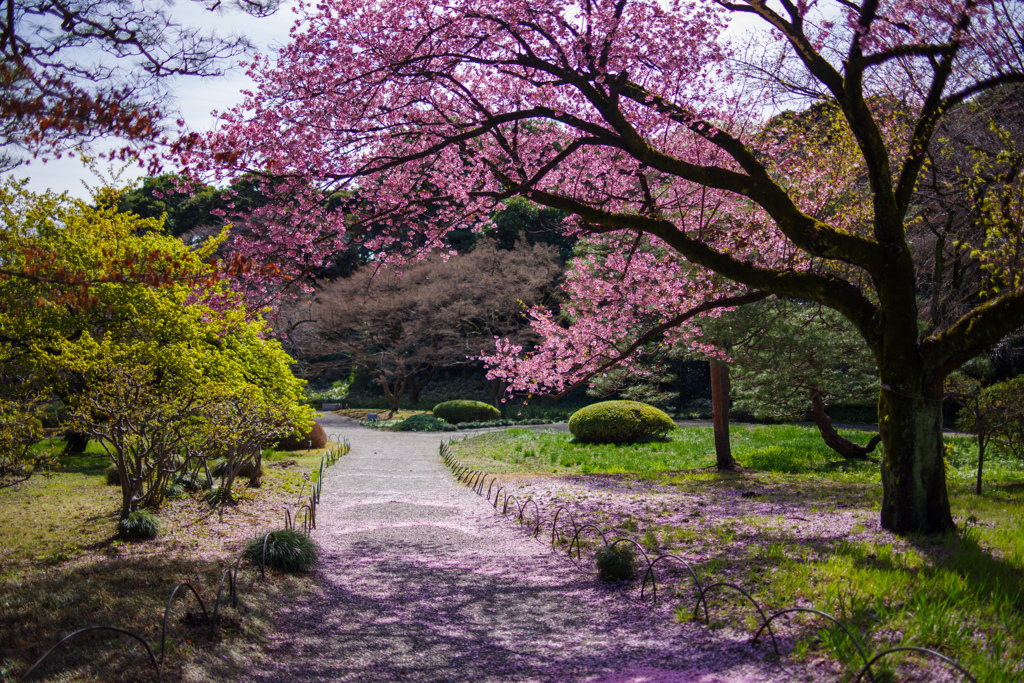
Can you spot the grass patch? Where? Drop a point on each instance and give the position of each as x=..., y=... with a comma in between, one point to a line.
x=64, y=567
x=800, y=527
x=772, y=448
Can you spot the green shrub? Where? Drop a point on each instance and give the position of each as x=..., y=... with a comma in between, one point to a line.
x=619, y=422
x=466, y=411
x=287, y=550
x=1003, y=406
x=616, y=563
x=218, y=496
x=141, y=524
x=113, y=478
x=423, y=423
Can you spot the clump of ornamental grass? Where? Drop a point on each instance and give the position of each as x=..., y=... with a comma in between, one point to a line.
x=616, y=563
x=287, y=550
x=139, y=525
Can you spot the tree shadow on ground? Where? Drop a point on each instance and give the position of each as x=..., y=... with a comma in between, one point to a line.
x=401, y=606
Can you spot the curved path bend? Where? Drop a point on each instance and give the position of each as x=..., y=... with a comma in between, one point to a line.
x=421, y=580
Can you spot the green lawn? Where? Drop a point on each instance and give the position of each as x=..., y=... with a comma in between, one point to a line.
x=62, y=567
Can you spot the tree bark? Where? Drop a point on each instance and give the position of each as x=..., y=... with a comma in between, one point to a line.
x=720, y=415
x=981, y=462
x=832, y=438
x=914, y=498
x=416, y=386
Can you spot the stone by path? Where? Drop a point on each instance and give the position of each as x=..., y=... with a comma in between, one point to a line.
x=423, y=581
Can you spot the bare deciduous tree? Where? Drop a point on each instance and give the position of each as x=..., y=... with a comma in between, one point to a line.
x=402, y=327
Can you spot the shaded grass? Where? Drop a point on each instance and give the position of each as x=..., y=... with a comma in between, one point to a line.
x=801, y=528
x=62, y=568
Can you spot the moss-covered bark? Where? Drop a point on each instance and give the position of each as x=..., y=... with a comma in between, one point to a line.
x=914, y=498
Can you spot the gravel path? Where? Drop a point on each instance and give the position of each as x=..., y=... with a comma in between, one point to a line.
x=422, y=581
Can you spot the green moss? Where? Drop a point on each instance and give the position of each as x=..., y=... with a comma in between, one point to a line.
x=619, y=422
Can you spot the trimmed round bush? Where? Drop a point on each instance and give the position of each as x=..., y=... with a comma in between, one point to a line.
x=113, y=476
x=141, y=524
x=288, y=550
x=616, y=563
x=466, y=411
x=316, y=435
x=423, y=423
x=619, y=422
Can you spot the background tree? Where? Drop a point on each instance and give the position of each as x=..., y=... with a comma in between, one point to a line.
x=638, y=117
x=402, y=327
x=794, y=359
x=130, y=328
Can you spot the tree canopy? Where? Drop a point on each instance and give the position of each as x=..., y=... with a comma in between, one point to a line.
x=143, y=339
x=645, y=117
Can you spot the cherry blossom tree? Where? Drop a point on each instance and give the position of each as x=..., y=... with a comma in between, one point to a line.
x=645, y=117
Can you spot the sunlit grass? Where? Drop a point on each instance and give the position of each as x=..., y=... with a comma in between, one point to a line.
x=961, y=594
x=62, y=567
x=775, y=448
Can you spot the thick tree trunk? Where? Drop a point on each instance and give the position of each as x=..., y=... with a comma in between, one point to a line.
x=720, y=415
x=914, y=498
x=393, y=394
x=832, y=438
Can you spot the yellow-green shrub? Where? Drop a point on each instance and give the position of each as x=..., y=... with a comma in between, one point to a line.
x=455, y=412
x=619, y=422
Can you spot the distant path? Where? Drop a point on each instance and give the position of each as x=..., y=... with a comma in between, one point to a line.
x=423, y=581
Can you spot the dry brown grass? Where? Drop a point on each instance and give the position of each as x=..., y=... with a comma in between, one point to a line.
x=63, y=568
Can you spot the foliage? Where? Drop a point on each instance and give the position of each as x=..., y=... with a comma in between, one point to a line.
x=145, y=341
x=1002, y=405
x=423, y=423
x=616, y=563
x=140, y=524
x=782, y=350
x=401, y=328
x=52, y=99
x=647, y=122
x=619, y=422
x=20, y=430
x=287, y=550
x=466, y=411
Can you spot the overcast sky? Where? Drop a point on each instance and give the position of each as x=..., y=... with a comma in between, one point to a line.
x=196, y=97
